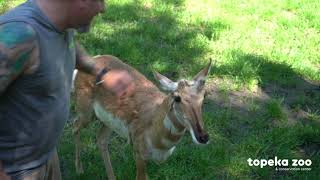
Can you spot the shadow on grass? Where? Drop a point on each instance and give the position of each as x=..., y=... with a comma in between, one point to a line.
x=272, y=121
x=277, y=80
x=145, y=35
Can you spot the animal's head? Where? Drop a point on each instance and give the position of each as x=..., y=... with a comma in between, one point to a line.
x=187, y=98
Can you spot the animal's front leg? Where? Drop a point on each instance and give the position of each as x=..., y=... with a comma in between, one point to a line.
x=79, y=123
x=102, y=141
x=141, y=168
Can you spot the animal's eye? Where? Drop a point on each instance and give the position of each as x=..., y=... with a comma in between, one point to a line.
x=177, y=99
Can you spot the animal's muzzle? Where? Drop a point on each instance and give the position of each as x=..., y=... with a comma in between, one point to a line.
x=203, y=138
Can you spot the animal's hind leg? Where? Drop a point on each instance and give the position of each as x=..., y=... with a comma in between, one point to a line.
x=103, y=138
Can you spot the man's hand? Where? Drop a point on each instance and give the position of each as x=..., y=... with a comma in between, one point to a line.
x=3, y=175
x=119, y=82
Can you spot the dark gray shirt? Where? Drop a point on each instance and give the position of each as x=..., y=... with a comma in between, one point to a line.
x=35, y=107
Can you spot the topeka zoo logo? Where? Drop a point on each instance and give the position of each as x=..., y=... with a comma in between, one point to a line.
x=282, y=164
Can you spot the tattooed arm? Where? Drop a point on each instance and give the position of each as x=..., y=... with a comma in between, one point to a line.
x=84, y=62
x=119, y=82
x=18, y=52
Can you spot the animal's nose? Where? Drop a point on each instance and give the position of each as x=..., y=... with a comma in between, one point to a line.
x=204, y=138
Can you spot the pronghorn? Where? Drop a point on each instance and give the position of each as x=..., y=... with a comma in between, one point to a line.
x=153, y=122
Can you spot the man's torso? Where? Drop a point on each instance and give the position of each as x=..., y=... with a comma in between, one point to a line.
x=35, y=106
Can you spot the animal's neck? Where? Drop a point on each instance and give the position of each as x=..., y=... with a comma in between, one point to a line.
x=166, y=130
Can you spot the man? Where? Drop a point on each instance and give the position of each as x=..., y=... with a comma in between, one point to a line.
x=38, y=54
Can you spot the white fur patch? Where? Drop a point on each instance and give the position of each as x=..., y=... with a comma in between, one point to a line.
x=169, y=86
x=194, y=139
x=74, y=75
x=190, y=83
x=158, y=155
x=112, y=122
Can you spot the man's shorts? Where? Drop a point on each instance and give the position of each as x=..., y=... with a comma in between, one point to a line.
x=47, y=171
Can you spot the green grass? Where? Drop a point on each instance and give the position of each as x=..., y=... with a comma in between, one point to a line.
x=5, y=5
x=266, y=76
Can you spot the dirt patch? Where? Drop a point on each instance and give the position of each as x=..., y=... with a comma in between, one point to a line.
x=297, y=102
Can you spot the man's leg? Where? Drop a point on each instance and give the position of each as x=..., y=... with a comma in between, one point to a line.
x=48, y=171
x=30, y=174
x=53, y=168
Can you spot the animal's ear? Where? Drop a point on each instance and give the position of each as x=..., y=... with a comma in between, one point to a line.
x=200, y=78
x=165, y=82
x=202, y=75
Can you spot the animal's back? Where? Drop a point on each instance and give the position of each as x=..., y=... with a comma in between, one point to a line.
x=130, y=109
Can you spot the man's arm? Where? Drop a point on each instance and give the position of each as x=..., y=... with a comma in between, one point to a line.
x=18, y=48
x=84, y=62
x=119, y=82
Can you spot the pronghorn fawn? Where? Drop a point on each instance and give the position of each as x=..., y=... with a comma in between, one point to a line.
x=152, y=121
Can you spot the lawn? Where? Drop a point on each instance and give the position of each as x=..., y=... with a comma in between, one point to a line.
x=264, y=98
